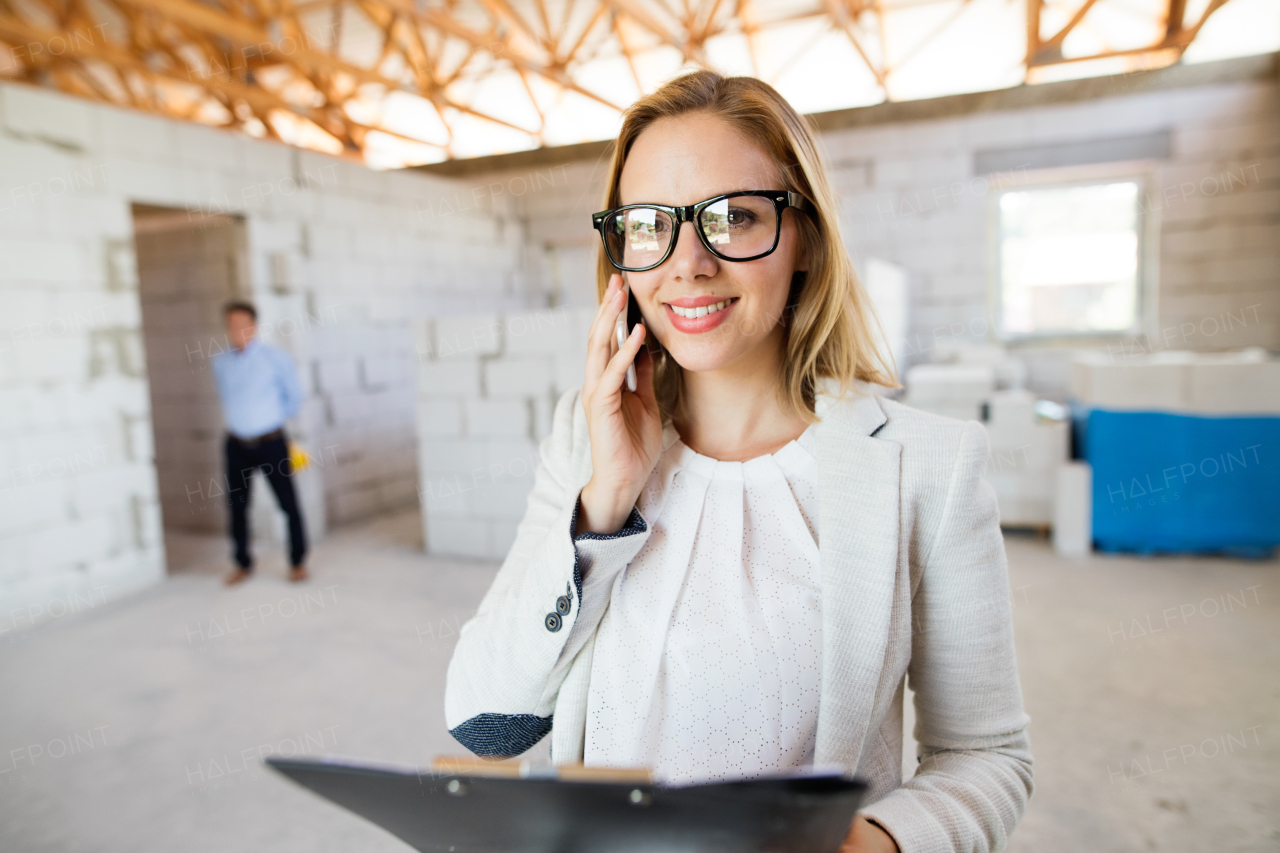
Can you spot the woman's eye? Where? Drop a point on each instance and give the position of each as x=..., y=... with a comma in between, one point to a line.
x=739, y=217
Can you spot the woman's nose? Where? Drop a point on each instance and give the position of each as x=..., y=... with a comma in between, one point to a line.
x=690, y=259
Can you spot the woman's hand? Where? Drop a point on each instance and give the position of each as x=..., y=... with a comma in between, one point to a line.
x=865, y=837
x=625, y=428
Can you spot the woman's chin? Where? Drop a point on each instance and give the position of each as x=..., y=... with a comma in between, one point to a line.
x=702, y=359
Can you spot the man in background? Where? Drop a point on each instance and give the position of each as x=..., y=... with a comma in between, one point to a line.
x=259, y=389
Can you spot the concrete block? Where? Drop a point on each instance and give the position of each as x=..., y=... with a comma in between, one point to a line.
x=26, y=502
x=53, y=116
x=43, y=262
x=468, y=337
x=498, y=418
x=31, y=170
x=543, y=411
x=1222, y=387
x=552, y=331
x=338, y=375
x=53, y=359
x=502, y=501
x=136, y=134
x=370, y=244
x=449, y=378
x=376, y=371
x=148, y=182
x=123, y=574
x=267, y=159
x=447, y=495
x=511, y=460
x=527, y=376
x=72, y=542
x=94, y=491
x=461, y=537
x=949, y=383
x=320, y=172
x=920, y=175
x=440, y=418
x=206, y=148
x=568, y=371
x=1096, y=381
x=1073, y=510
x=452, y=456
x=502, y=536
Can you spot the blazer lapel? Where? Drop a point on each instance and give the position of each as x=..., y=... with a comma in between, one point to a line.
x=858, y=533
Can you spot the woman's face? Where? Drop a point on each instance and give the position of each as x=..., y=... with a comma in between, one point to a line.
x=685, y=160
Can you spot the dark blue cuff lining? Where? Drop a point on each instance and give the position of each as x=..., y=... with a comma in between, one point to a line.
x=501, y=735
x=635, y=524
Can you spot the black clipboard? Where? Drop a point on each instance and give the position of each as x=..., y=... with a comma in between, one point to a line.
x=464, y=809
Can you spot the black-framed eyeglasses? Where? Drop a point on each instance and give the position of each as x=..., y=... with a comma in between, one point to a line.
x=741, y=226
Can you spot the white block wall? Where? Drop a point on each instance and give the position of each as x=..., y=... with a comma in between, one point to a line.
x=487, y=386
x=910, y=195
x=362, y=252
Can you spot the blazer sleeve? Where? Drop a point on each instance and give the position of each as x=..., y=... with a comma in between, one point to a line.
x=974, y=776
x=543, y=606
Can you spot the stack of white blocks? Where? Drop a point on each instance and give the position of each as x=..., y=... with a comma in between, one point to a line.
x=487, y=387
x=952, y=390
x=1230, y=383
x=1026, y=450
x=1026, y=453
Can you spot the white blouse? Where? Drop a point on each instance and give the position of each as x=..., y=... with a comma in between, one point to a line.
x=707, y=662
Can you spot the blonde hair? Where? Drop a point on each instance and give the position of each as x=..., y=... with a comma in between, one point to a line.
x=832, y=332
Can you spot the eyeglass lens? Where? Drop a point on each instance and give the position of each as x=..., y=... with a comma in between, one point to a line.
x=740, y=227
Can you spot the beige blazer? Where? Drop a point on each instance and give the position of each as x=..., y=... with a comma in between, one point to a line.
x=914, y=586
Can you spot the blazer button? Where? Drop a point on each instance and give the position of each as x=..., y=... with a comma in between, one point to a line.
x=553, y=622
x=562, y=605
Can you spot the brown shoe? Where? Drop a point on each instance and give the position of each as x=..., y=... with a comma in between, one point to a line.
x=298, y=574
x=237, y=577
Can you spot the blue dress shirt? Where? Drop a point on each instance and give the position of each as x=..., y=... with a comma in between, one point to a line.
x=259, y=388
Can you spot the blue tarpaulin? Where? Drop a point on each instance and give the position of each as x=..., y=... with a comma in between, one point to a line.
x=1184, y=483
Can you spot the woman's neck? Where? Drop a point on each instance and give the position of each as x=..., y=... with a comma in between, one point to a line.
x=737, y=413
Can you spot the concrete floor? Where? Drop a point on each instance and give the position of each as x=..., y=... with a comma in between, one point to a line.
x=136, y=726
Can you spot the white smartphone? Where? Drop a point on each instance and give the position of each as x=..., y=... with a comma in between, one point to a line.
x=622, y=328
x=620, y=331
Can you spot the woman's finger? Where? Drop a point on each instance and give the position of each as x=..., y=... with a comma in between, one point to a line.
x=601, y=344
x=612, y=378
x=644, y=376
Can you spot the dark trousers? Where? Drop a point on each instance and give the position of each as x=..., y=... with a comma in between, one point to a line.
x=272, y=457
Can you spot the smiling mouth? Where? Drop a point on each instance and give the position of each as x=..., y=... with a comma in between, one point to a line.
x=703, y=310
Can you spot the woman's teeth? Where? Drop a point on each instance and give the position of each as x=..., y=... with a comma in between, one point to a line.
x=702, y=311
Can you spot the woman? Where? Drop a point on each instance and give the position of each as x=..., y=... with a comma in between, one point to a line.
x=732, y=571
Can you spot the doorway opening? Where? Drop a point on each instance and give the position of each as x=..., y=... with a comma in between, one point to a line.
x=190, y=264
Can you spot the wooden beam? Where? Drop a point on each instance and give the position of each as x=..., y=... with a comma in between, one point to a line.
x=1033, y=30
x=1178, y=41
x=600, y=12
x=840, y=17
x=503, y=11
x=637, y=13
x=626, y=51
x=937, y=31
x=1051, y=50
x=259, y=99
x=1175, y=12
